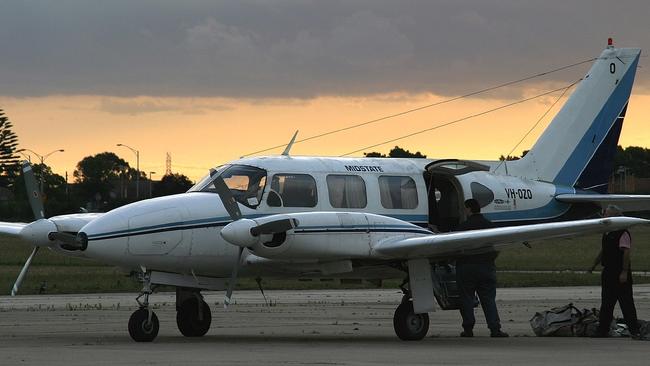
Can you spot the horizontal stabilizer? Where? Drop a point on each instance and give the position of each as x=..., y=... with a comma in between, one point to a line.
x=626, y=202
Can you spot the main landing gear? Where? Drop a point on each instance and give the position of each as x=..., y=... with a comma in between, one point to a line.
x=143, y=324
x=193, y=316
x=408, y=325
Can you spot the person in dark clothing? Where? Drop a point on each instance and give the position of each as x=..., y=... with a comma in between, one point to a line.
x=477, y=274
x=616, y=278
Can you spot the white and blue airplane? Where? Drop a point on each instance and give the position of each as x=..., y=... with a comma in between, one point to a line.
x=370, y=218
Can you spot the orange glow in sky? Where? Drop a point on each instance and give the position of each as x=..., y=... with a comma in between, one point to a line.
x=204, y=132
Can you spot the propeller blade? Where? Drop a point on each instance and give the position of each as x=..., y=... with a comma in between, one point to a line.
x=227, y=198
x=233, y=279
x=33, y=192
x=274, y=227
x=23, y=272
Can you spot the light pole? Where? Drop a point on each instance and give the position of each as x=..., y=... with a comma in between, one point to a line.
x=150, y=184
x=137, y=162
x=42, y=158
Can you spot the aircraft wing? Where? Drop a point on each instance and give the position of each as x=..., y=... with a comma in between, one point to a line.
x=476, y=241
x=626, y=202
x=11, y=229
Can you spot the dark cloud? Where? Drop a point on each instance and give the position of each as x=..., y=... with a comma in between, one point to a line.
x=144, y=105
x=301, y=49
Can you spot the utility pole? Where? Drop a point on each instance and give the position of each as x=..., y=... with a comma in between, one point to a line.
x=137, y=177
x=168, y=164
x=150, y=184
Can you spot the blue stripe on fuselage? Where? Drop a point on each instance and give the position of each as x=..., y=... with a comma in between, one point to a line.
x=225, y=220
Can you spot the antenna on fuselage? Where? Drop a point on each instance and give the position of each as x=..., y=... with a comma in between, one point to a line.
x=288, y=148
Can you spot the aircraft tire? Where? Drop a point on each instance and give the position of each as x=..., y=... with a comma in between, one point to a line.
x=187, y=318
x=140, y=328
x=408, y=325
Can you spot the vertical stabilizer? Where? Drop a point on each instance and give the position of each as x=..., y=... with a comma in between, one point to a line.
x=577, y=148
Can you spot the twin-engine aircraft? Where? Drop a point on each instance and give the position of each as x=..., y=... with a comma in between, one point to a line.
x=294, y=217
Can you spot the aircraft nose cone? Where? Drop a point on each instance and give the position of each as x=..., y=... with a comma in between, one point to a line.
x=239, y=233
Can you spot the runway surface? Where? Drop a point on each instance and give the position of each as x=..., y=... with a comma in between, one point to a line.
x=333, y=327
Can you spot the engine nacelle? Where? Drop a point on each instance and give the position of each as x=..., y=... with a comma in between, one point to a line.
x=320, y=235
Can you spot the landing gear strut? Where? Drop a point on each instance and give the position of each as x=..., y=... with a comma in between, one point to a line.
x=193, y=315
x=143, y=324
x=408, y=325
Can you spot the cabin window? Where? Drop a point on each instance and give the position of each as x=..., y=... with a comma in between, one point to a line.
x=292, y=190
x=347, y=191
x=398, y=192
x=246, y=183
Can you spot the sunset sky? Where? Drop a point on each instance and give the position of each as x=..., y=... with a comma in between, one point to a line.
x=210, y=81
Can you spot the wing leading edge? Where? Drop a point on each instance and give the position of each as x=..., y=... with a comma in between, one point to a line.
x=465, y=242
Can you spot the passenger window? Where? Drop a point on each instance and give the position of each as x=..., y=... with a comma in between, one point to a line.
x=292, y=190
x=398, y=192
x=347, y=191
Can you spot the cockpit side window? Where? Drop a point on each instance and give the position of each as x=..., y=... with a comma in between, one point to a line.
x=246, y=183
x=292, y=190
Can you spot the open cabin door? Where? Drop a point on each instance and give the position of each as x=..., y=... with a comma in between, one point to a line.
x=445, y=193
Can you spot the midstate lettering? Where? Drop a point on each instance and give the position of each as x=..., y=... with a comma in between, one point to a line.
x=364, y=168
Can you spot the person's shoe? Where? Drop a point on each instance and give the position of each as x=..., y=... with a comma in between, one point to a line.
x=467, y=333
x=499, y=334
x=637, y=336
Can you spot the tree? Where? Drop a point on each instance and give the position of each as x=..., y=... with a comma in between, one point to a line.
x=172, y=184
x=396, y=152
x=96, y=175
x=635, y=158
x=9, y=161
x=512, y=158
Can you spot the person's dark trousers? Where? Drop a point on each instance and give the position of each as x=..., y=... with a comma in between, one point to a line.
x=480, y=279
x=612, y=291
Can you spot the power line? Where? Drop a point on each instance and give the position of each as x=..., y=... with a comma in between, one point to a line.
x=538, y=121
x=459, y=120
x=427, y=106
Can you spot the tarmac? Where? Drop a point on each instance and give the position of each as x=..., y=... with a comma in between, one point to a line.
x=320, y=327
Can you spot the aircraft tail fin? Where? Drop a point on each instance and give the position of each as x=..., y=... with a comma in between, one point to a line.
x=577, y=148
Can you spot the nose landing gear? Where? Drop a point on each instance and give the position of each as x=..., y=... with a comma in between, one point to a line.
x=143, y=323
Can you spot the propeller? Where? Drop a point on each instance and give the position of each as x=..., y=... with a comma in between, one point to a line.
x=230, y=204
x=42, y=231
x=36, y=202
x=33, y=193
x=243, y=232
x=23, y=272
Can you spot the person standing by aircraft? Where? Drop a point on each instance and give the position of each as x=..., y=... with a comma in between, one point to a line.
x=477, y=274
x=616, y=278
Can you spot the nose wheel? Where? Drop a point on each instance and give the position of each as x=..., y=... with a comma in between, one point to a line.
x=143, y=323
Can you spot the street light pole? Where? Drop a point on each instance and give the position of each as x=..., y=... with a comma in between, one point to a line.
x=150, y=184
x=42, y=159
x=137, y=162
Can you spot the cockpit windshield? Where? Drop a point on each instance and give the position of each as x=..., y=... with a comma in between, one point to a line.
x=246, y=183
